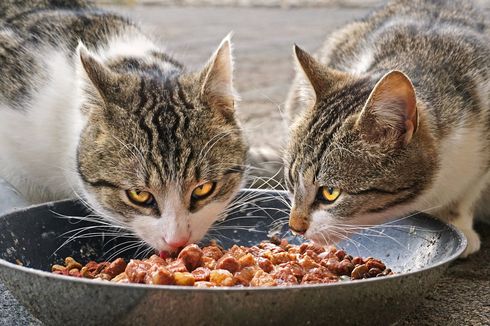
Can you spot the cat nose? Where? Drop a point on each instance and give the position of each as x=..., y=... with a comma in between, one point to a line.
x=298, y=223
x=297, y=231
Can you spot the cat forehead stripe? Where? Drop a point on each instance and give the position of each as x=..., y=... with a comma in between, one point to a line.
x=326, y=120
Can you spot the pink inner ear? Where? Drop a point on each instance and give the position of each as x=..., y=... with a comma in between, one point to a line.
x=217, y=86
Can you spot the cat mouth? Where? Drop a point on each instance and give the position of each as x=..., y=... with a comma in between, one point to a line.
x=169, y=248
x=176, y=243
x=168, y=253
x=172, y=251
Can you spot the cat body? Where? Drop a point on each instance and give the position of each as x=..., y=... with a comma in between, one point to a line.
x=89, y=105
x=401, y=103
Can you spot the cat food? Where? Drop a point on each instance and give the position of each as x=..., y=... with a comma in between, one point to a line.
x=270, y=263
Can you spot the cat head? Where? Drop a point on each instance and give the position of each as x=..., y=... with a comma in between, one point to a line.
x=360, y=153
x=161, y=153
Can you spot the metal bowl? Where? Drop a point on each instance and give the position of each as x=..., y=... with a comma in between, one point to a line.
x=418, y=248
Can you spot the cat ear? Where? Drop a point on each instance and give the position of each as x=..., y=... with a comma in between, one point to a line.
x=390, y=113
x=217, y=79
x=320, y=77
x=101, y=81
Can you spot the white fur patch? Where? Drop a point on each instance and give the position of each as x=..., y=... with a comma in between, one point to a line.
x=320, y=228
x=126, y=45
x=38, y=144
x=461, y=167
x=362, y=63
x=129, y=45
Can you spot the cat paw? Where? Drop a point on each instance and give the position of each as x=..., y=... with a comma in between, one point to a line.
x=474, y=242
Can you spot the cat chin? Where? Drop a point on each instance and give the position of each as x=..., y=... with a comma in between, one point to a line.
x=322, y=228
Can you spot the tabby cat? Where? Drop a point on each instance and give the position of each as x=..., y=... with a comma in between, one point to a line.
x=393, y=116
x=90, y=105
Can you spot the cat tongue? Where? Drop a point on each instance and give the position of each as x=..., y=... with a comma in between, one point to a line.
x=164, y=254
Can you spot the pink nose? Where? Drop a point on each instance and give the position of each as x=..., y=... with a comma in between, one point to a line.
x=177, y=243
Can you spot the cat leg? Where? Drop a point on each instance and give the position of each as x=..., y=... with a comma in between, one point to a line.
x=464, y=216
x=464, y=223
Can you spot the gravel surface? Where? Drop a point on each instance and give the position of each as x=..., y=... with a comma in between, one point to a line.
x=263, y=40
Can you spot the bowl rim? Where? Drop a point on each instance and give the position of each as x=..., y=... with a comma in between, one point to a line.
x=461, y=246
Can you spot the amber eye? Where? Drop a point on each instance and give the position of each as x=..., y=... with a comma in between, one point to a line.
x=141, y=198
x=203, y=191
x=328, y=194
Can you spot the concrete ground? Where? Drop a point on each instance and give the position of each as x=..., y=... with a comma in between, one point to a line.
x=263, y=39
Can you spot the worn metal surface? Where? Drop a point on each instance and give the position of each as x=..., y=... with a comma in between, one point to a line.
x=421, y=252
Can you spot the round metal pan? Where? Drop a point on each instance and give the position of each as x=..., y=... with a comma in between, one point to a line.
x=418, y=248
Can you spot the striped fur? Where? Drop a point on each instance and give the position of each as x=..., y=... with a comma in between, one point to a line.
x=90, y=105
x=388, y=160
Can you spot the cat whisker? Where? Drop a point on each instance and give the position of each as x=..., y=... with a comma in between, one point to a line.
x=350, y=240
x=108, y=231
x=79, y=234
x=270, y=182
x=130, y=245
x=234, y=227
x=218, y=235
x=379, y=234
x=93, y=219
x=238, y=218
x=282, y=114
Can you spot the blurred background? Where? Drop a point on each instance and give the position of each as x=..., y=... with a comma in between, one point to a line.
x=266, y=3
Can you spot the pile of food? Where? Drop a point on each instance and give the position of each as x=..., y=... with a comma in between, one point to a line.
x=271, y=263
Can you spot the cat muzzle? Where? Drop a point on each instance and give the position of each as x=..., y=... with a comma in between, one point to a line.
x=298, y=223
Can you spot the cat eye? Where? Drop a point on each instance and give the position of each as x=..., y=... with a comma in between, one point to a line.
x=140, y=198
x=203, y=191
x=328, y=194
